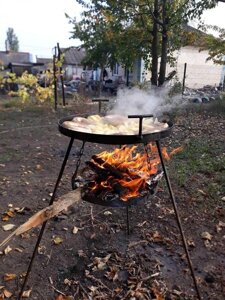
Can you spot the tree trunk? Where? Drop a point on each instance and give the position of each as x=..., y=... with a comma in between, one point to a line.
x=127, y=76
x=154, y=67
x=164, y=46
x=163, y=62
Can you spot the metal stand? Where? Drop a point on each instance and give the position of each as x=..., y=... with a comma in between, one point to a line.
x=44, y=224
x=178, y=220
x=127, y=215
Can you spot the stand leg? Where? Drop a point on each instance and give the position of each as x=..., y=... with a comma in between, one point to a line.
x=44, y=224
x=178, y=220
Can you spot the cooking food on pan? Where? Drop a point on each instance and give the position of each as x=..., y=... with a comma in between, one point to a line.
x=114, y=124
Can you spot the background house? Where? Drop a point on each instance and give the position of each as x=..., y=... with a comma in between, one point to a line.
x=17, y=62
x=43, y=64
x=72, y=63
x=199, y=71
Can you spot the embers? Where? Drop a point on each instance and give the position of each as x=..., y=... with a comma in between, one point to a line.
x=121, y=177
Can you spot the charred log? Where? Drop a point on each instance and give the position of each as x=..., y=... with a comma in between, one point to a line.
x=113, y=171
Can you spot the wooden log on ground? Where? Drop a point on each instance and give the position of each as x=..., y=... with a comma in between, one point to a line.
x=63, y=203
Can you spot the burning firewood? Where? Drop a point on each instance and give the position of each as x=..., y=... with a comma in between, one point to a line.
x=63, y=203
x=115, y=172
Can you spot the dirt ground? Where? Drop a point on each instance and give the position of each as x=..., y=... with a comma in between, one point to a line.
x=85, y=253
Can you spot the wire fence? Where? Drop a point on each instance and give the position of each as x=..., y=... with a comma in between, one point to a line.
x=194, y=76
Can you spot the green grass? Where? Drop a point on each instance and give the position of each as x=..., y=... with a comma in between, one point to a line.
x=206, y=161
x=8, y=156
x=13, y=104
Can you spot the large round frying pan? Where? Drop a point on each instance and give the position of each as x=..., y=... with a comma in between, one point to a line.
x=113, y=139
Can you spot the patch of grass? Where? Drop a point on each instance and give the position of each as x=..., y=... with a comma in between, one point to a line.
x=218, y=106
x=8, y=156
x=207, y=161
x=11, y=103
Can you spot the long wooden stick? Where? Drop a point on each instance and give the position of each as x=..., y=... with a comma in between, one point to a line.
x=63, y=203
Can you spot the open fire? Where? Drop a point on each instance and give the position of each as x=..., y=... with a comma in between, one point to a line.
x=124, y=174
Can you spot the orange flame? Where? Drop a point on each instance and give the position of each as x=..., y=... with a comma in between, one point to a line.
x=135, y=168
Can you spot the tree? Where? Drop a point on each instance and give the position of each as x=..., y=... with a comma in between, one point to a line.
x=214, y=44
x=11, y=42
x=148, y=29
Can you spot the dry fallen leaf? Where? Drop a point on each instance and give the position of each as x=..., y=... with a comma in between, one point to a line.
x=158, y=295
x=113, y=273
x=8, y=227
x=75, y=230
x=206, y=236
x=220, y=226
x=156, y=237
x=191, y=243
x=67, y=282
x=81, y=253
x=38, y=167
x=207, y=244
x=10, y=213
x=202, y=192
x=57, y=240
x=18, y=250
x=25, y=235
x=26, y=294
x=101, y=262
x=9, y=276
x=7, y=293
x=7, y=250
x=19, y=210
x=107, y=213
x=5, y=218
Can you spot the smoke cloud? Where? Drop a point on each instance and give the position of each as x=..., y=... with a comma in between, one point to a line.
x=138, y=101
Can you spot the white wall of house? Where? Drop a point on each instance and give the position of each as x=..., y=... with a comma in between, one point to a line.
x=199, y=72
x=72, y=71
x=117, y=74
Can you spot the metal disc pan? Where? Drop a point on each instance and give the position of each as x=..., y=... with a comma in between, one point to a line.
x=113, y=139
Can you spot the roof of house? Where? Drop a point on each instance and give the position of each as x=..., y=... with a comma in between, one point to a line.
x=190, y=28
x=73, y=55
x=7, y=57
x=192, y=36
x=44, y=61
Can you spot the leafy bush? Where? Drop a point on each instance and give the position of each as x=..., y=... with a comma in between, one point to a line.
x=28, y=86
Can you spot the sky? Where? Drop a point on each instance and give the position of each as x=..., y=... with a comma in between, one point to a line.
x=40, y=25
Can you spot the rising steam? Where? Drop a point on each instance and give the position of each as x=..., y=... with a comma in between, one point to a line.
x=138, y=101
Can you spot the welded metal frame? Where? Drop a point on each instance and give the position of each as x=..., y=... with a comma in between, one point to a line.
x=157, y=141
